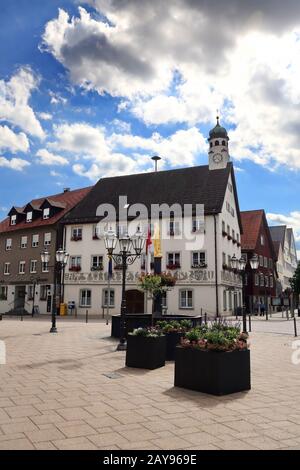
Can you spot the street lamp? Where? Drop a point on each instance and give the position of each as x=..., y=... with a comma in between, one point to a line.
x=125, y=258
x=61, y=259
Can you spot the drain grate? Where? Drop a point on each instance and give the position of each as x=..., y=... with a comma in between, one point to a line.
x=112, y=375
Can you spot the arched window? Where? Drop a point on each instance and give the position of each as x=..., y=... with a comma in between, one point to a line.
x=216, y=142
x=211, y=144
x=223, y=142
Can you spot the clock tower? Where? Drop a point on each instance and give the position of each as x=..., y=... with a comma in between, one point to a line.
x=218, y=147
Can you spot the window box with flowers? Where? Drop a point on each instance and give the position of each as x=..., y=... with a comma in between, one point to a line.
x=213, y=359
x=224, y=233
x=173, y=266
x=238, y=244
x=76, y=238
x=97, y=268
x=199, y=266
x=234, y=241
x=229, y=236
x=75, y=268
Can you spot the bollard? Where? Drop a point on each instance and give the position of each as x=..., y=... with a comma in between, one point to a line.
x=205, y=318
x=250, y=324
x=86, y=316
x=22, y=317
x=267, y=318
x=295, y=326
x=244, y=321
x=287, y=314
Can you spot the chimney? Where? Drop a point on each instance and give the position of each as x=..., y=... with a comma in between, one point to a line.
x=66, y=190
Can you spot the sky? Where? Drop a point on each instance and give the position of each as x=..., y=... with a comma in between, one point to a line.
x=94, y=88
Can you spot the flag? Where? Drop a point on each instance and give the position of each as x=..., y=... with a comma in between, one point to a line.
x=148, y=251
x=157, y=242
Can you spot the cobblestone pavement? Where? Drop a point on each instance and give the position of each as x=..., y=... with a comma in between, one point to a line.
x=72, y=391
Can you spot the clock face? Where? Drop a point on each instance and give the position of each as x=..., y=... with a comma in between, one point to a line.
x=217, y=158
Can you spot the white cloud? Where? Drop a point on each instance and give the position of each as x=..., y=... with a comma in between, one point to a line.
x=14, y=102
x=177, y=61
x=45, y=116
x=12, y=141
x=108, y=154
x=17, y=164
x=57, y=98
x=48, y=158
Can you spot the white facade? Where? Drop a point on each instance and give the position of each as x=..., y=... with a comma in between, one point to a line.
x=197, y=289
x=287, y=259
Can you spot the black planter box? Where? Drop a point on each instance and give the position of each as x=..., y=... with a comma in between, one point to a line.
x=216, y=373
x=145, y=352
x=172, y=340
x=142, y=320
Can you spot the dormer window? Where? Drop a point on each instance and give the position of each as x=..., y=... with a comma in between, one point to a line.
x=29, y=217
x=46, y=213
x=13, y=220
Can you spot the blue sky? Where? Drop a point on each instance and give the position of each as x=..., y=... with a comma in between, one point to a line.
x=97, y=89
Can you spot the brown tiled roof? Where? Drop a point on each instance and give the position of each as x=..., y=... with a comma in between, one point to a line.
x=251, y=222
x=66, y=200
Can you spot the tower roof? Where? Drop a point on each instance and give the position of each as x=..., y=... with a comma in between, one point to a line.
x=218, y=131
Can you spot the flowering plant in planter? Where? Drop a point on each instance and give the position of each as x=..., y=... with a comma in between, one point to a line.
x=173, y=266
x=217, y=337
x=174, y=326
x=146, y=348
x=156, y=283
x=147, y=332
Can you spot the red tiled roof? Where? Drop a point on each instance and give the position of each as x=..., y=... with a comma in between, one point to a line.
x=251, y=222
x=67, y=200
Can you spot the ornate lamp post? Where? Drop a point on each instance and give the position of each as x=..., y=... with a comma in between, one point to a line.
x=240, y=266
x=125, y=258
x=61, y=259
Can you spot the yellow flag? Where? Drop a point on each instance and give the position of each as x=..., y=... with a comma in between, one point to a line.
x=157, y=242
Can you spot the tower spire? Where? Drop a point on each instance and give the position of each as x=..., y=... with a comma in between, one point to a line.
x=218, y=118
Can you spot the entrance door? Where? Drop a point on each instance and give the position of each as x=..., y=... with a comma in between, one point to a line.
x=20, y=293
x=134, y=301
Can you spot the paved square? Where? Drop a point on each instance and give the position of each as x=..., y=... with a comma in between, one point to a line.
x=54, y=394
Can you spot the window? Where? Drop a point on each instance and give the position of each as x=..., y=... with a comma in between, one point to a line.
x=97, y=263
x=8, y=244
x=23, y=242
x=238, y=238
x=174, y=228
x=33, y=265
x=22, y=267
x=270, y=263
x=13, y=220
x=229, y=300
x=233, y=234
x=223, y=226
x=46, y=213
x=210, y=144
x=256, y=279
x=261, y=260
x=198, y=259
x=35, y=241
x=271, y=281
x=224, y=258
x=96, y=232
x=47, y=239
x=228, y=230
x=29, y=217
x=262, y=280
x=164, y=300
x=45, y=267
x=186, y=298
x=3, y=292
x=262, y=240
x=224, y=300
x=217, y=142
x=111, y=298
x=30, y=293
x=75, y=263
x=197, y=225
x=229, y=261
x=223, y=142
x=44, y=292
x=266, y=281
x=7, y=269
x=173, y=260
x=265, y=262
x=76, y=234
x=245, y=279
x=85, y=299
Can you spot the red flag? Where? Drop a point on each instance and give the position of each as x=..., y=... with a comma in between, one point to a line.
x=148, y=241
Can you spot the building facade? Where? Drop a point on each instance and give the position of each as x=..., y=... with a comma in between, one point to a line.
x=26, y=284
x=197, y=249
x=285, y=248
x=260, y=284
